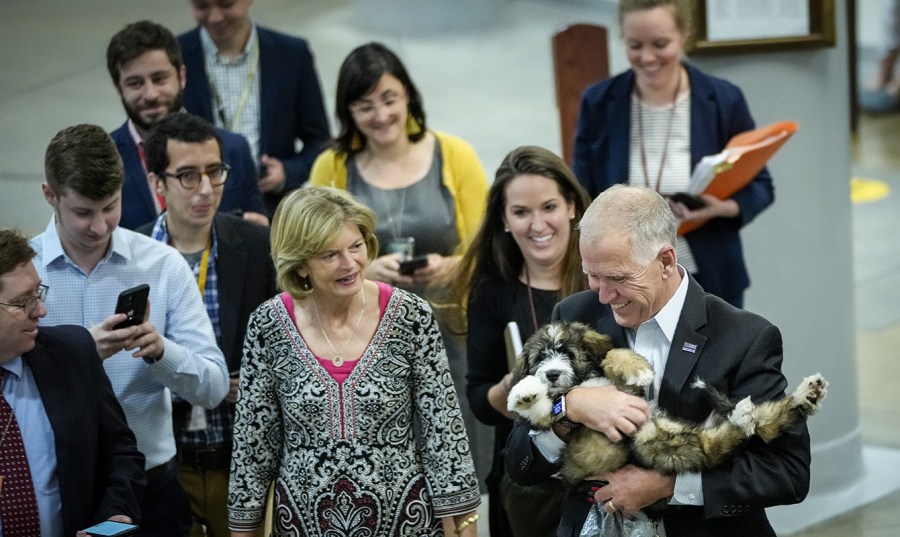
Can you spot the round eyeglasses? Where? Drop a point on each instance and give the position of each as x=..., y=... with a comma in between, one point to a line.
x=190, y=179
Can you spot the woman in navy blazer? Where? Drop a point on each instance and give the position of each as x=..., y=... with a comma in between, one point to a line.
x=611, y=124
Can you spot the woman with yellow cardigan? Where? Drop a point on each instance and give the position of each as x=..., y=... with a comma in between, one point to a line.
x=427, y=188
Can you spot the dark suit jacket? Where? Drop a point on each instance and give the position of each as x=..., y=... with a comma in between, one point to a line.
x=246, y=278
x=241, y=190
x=718, y=112
x=738, y=352
x=101, y=471
x=291, y=101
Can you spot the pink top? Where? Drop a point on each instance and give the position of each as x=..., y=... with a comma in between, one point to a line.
x=340, y=373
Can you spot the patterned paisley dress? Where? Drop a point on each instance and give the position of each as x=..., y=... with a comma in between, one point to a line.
x=382, y=454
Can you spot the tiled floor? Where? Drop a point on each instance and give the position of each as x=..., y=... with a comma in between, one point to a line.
x=491, y=86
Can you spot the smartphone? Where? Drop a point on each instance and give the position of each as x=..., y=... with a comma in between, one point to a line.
x=133, y=303
x=410, y=265
x=109, y=528
x=690, y=201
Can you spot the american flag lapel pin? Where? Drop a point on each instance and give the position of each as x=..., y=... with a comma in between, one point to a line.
x=689, y=347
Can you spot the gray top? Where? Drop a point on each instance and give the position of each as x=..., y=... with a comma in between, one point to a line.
x=424, y=210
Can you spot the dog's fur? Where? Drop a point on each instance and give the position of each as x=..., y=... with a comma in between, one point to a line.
x=561, y=356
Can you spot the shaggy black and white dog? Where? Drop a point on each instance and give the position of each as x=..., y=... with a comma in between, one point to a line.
x=561, y=356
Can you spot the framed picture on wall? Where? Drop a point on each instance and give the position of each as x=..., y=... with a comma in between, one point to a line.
x=727, y=26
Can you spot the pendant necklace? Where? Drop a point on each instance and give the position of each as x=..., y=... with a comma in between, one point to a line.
x=662, y=160
x=338, y=359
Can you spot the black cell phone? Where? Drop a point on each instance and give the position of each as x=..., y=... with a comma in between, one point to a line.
x=690, y=201
x=109, y=528
x=410, y=265
x=133, y=303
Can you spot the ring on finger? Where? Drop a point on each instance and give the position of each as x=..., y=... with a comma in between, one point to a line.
x=609, y=505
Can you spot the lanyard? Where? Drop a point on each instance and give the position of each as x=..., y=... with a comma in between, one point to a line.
x=245, y=93
x=204, y=267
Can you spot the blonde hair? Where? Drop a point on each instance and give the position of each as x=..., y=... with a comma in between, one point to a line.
x=681, y=11
x=306, y=222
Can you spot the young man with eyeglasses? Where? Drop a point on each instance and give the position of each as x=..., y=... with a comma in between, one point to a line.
x=81, y=464
x=89, y=260
x=231, y=264
x=144, y=61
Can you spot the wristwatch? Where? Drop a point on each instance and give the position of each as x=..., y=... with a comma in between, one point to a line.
x=559, y=413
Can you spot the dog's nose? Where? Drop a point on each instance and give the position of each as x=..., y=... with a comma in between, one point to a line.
x=552, y=375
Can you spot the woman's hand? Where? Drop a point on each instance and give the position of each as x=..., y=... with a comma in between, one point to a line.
x=715, y=208
x=452, y=525
x=386, y=269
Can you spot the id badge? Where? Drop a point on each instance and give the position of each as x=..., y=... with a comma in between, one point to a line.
x=197, y=421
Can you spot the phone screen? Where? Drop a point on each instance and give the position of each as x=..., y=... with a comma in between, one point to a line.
x=109, y=528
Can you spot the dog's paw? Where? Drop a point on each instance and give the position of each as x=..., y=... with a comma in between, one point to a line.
x=628, y=368
x=742, y=416
x=529, y=399
x=809, y=394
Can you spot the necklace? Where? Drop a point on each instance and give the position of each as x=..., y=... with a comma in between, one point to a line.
x=531, y=299
x=338, y=359
x=662, y=160
x=396, y=225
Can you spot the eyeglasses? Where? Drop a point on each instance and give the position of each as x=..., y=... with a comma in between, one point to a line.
x=366, y=109
x=30, y=304
x=190, y=179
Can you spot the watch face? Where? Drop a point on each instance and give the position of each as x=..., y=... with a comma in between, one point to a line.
x=558, y=407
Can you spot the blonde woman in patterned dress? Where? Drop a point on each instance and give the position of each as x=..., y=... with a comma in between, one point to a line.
x=346, y=398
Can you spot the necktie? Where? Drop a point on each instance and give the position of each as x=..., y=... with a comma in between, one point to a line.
x=18, y=505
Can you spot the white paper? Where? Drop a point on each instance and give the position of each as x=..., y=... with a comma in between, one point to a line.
x=727, y=20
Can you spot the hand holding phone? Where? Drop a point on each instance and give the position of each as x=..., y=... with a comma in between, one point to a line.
x=133, y=303
x=411, y=265
x=690, y=201
x=109, y=528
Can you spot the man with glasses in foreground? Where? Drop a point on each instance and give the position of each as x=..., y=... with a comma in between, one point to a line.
x=233, y=269
x=88, y=260
x=77, y=459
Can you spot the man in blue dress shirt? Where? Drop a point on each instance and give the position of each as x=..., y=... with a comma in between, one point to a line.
x=88, y=260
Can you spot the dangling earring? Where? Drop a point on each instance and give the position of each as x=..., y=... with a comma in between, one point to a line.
x=356, y=142
x=305, y=284
x=412, y=126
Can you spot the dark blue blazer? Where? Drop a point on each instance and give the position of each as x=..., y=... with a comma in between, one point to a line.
x=241, y=191
x=291, y=103
x=101, y=471
x=718, y=112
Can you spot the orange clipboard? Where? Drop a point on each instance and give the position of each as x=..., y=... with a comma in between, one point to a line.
x=748, y=153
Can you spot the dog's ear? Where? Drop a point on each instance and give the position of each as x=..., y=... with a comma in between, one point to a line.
x=596, y=344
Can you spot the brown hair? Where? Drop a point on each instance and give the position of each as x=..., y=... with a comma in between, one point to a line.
x=136, y=39
x=14, y=250
x=85, y=159
x=493, y=253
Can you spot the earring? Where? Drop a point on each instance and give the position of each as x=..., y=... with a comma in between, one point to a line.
x=412, y=126
x=506, y=229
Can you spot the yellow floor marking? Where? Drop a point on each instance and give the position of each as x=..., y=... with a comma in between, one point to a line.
x=865, y=190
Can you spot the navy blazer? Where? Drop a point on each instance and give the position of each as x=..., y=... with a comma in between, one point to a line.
x=246, y=278
x=100, y=470
x=736, y=351
x=718, y=112
x=241, y=192
x=291, y=103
